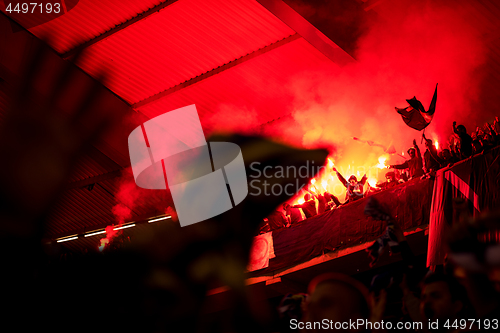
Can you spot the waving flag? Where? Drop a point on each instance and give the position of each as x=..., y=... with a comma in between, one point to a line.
x=415, y=115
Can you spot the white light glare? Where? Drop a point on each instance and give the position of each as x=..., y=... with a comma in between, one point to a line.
x=95, y=233
x=67, y=239
x=125, y=226
x=159, y=219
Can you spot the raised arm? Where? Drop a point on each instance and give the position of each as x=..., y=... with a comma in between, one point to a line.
x=299, y=206
x=339, y=176
x=417, y=149
x=435, y=155
x=399, y=166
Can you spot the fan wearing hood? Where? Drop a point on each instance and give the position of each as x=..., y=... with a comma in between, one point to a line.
x=353, y=186
x=414, y=164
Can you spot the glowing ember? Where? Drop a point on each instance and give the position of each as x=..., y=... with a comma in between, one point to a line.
x=381, y=162
x=313, y=181
x=436, y=144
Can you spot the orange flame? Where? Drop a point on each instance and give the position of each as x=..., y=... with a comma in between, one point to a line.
x=381, y=162
x=329, y=181
x=372, y=182
x=330, y=163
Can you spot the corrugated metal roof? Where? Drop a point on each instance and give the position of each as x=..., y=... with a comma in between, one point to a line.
x=268, y=78
x=91, y=244
x=182, y=41
x=87, y=166
x=88, y=19
x=81, y=210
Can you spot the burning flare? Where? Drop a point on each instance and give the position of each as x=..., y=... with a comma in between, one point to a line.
x=330, y=163
x=436, y=144
x=381, y=162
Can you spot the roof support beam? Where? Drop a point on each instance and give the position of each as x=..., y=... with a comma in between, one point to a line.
x=119, y=27
x=310, y=33
x=216, y=71
x=93, y=180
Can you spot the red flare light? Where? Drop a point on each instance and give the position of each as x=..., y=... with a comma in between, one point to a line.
x=110, y=234
x=330, y=163
x=381, y=162
x=372, y=182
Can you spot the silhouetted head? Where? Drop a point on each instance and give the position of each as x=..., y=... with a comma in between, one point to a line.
x=446, y=154
x=307, y=197
x=461, y=129
x=428, y=143
x=442, y=297
x=390, y=176
x=353, y=180
x=337, y=297
x=477, y=146
x=411, y=152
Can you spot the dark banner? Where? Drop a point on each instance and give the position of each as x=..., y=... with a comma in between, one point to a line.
x=478, y=181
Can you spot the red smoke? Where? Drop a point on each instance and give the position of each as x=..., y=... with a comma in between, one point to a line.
x=110, y=234
x=410, y=48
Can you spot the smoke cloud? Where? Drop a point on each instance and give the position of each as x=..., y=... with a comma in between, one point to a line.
x=404, y=53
